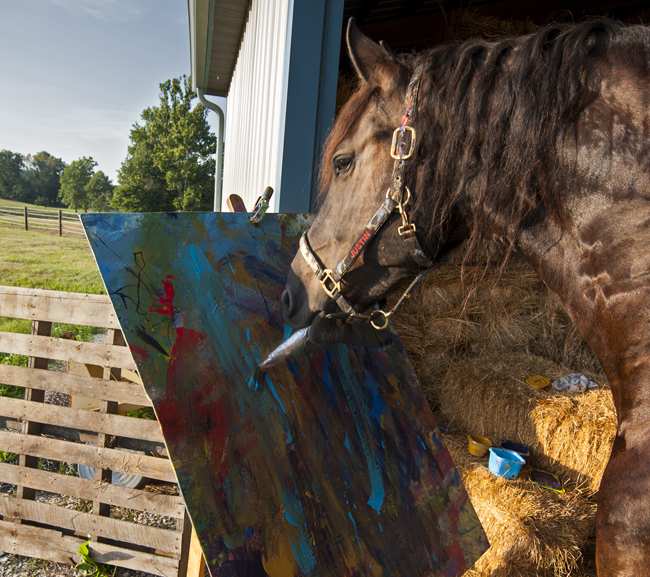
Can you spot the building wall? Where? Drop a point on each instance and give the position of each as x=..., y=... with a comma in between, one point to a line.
x=256, y=104
x=281, y=101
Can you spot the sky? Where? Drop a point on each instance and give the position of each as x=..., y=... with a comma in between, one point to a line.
x=75, y=75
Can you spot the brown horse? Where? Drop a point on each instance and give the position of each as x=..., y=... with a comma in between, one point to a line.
x=541, y=141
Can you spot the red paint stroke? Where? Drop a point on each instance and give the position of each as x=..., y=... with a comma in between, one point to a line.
x=164, y=305
x=137, y=350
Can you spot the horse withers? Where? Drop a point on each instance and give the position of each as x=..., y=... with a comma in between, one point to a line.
x=541, y=141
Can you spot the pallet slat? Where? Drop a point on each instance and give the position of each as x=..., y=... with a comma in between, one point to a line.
x=79, y=436
x=64, y=350
x=57, y=307
x=77, y=418
x=168, y=540
x=53, y=537
x=54, y=546
x=165, y=505
x=118, y=391
x=99, y=457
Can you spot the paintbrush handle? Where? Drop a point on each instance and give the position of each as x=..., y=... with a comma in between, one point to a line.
x=294, y=342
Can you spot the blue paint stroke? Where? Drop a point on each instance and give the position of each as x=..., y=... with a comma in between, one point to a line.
x=303, y=553
x=355, y=531
x=275, y=394
x=353, y=393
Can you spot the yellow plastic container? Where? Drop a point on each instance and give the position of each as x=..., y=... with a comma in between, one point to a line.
x=538, y=381
x=478, y=446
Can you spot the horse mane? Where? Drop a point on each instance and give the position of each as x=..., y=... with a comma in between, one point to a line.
x=495, y=116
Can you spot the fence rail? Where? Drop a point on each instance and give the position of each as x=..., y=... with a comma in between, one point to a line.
x=63, y=222
x=99, y=436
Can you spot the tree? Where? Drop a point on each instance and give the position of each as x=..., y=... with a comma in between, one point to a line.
x=43, y=176
x=99, y=191
x=169, y=165
x=73, y=183
x=11, y=175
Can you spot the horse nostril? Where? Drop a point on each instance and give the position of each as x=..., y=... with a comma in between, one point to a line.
x=286, y=302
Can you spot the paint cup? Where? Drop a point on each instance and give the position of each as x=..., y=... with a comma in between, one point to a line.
x=478, y=446
x=519, y=448
x=505, y=463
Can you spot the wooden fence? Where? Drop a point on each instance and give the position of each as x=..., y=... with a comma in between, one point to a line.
x=100, y=438
x=55, y=220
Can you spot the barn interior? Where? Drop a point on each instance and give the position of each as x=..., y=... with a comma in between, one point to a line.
x=414, y=25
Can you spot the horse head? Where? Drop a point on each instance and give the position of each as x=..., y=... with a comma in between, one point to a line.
x=364, y=237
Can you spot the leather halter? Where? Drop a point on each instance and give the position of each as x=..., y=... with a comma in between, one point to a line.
x=397, y=197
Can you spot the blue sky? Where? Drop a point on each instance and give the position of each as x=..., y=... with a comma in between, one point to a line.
x=76, y=74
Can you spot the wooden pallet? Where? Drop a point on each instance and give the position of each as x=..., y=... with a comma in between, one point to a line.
x=35, y=431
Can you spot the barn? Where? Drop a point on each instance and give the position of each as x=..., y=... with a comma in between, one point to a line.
x=473, y=332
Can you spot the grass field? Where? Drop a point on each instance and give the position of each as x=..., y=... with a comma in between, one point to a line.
x=34, y=259
x=39, y=260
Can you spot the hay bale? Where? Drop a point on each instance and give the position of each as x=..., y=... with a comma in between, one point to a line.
x=474, y=331
x=570, y=435
x=479, y=307
x=533, y=532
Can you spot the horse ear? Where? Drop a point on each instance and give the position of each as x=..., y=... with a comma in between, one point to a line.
x=376, y=64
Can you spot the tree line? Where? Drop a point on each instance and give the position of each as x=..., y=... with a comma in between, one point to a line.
x=169, y=165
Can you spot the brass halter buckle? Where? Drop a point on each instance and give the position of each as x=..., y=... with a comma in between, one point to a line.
x=335, y=286
x=393, y=147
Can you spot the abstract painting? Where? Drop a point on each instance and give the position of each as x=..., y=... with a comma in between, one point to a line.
x=333, y=467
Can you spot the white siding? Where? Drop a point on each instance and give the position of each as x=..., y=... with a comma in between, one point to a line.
x=256, y=104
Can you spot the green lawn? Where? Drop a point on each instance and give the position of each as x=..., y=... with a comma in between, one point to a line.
x=39, y=260
x=36, y=259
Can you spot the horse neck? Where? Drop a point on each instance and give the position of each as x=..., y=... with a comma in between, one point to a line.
x=597, y=266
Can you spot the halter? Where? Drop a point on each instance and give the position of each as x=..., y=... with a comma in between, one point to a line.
x=397, y=197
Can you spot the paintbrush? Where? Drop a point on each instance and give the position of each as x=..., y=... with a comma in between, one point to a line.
x=284, y=349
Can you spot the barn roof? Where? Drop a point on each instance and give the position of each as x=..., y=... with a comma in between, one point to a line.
x=216, y=29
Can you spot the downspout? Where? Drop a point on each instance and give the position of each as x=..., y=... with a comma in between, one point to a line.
x=218, y=172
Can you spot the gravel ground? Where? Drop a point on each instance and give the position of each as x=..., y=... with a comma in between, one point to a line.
x=18, y=566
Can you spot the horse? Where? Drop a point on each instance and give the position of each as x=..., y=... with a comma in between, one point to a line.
x=541, y=142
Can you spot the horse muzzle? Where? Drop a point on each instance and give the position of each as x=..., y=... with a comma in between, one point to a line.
x=299, y=311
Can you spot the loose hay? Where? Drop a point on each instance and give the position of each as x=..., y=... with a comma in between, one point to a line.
x=570, y=435
x=533, y=532
x=470, y=310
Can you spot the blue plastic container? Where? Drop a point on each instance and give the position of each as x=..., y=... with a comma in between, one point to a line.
x=520, y=448
x=505, y=463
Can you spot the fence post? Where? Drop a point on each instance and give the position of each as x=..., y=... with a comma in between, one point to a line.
x=26, y=227
x=60, y=223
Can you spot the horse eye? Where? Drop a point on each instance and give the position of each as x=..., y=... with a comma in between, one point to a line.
x=342, y=165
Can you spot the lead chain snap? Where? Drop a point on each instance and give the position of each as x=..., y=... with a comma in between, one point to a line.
x=386, y=317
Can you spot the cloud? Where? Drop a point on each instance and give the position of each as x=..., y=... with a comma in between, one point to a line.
x=107, y=10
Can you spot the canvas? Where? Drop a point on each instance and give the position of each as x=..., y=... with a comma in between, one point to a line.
x=334, y=466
